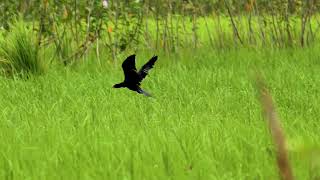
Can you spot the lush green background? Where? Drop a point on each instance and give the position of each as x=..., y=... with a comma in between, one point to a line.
x=204, y=121
x=61, y=119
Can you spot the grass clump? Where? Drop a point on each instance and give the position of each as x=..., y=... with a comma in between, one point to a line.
x=19, y=52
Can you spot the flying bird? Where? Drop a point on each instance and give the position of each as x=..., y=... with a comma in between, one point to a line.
x=132, y=77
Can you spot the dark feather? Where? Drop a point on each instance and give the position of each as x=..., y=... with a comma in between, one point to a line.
x=129, y=69
x=129, y=63
x=143, y=72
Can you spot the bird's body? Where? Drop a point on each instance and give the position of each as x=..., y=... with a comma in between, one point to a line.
x=132, y=77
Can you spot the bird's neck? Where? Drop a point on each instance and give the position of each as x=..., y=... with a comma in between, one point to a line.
x=120, y=85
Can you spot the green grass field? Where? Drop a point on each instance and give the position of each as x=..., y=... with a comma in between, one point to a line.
x=204, y=121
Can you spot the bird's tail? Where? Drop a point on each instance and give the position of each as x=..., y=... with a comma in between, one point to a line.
x=141, y=91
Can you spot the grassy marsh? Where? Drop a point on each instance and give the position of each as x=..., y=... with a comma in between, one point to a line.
x=204, y=123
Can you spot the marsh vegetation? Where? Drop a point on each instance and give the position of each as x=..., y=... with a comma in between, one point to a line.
x=61, y=118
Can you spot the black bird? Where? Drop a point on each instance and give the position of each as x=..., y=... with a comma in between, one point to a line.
x=132, y=77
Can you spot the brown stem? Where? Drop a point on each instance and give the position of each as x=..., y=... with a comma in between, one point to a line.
x=233, y=23
x=276, y=130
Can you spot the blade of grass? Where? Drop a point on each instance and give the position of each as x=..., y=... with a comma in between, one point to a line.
x=276, y=131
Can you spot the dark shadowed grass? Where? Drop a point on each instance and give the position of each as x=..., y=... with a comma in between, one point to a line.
x=19, y=51
x=204, y=122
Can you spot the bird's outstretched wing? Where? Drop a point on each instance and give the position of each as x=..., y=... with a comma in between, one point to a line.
x=129, y=63
x=141, y=91
x=129, y=67
x=143, y=72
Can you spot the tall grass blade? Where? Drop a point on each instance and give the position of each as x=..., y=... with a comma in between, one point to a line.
x=276, y=131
